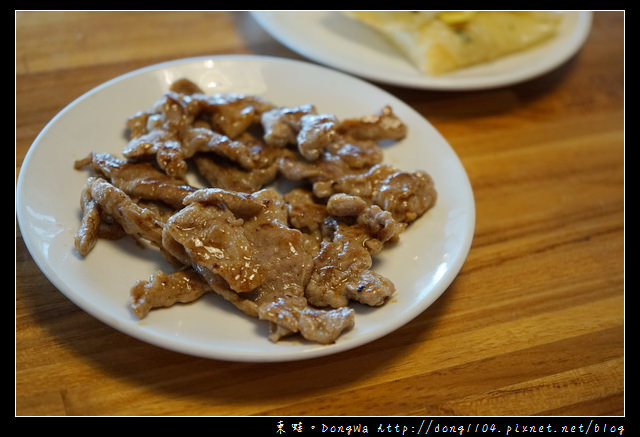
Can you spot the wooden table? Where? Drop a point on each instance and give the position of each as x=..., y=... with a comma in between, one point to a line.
x=532, y=325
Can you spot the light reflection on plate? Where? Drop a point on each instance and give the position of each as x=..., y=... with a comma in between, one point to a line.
x=424, y=263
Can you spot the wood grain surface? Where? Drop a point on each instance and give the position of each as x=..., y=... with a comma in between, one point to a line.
x=533, y=325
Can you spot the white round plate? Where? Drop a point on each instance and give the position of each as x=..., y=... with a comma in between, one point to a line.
x=422, y=265
x=333, y=39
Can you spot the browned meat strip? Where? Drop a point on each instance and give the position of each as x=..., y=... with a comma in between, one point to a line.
x=379, y=224
x=342, y=271
x=358, y=154
x=407, y=195
x=291, y=314
x=345, y=205
x=161, y=145
x=172, y=112
x=228, y=113
x=324, y=170
x=222, y=173
x=317, y=132
x=305, y=212
x=281, y=125
x=382, y=126
x=244, y=239
x=185, y=86
x=213, y=238
x=140, y=180
x=141, y=223
x=87, y=235
x=370, y=288
x=165, y=290
x=341, y=158
x=233, y=114
x=248, y=152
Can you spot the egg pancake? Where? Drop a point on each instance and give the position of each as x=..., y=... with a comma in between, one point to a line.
x=438, y=42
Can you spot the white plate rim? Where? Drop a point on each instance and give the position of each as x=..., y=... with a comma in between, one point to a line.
x=193, y=349
x=568, y=44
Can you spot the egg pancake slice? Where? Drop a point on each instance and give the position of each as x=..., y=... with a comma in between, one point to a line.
x=438, y=42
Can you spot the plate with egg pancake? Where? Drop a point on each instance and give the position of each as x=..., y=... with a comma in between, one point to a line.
x=385, y=48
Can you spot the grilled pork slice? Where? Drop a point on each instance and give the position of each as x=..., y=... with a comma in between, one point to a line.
x=165, y=290
x=101, y=198
x=140, y=180
x=406, y=195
